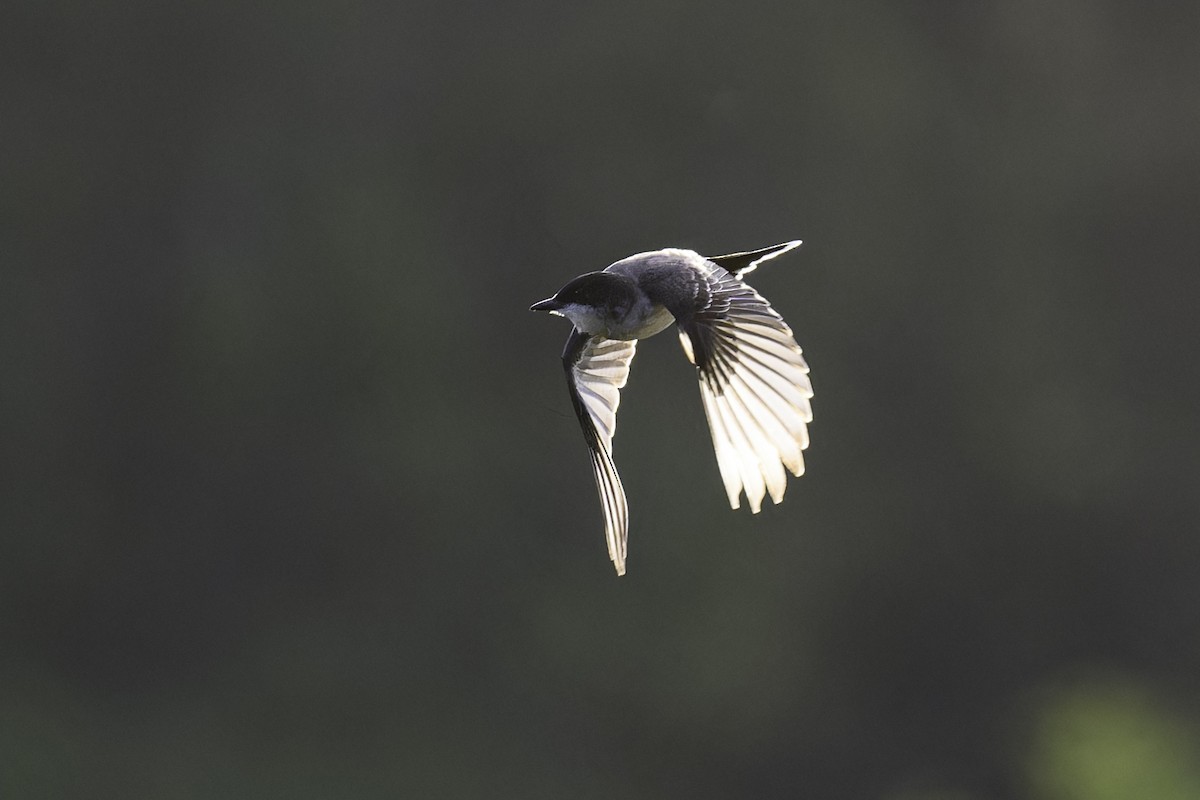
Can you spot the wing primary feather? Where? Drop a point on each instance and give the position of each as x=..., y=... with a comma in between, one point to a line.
x=726, y=460
x=596, y=370
x=754, y=380
x=745, y=455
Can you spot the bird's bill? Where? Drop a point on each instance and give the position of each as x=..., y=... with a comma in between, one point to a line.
x=549, y=304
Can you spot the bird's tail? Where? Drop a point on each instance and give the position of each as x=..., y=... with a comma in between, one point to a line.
x=741, y=263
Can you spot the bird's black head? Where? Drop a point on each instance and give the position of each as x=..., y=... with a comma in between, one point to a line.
x=596, y=303
x=605, y=292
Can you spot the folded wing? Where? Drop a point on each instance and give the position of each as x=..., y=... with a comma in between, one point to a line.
x=753, y=382
x=596, y=370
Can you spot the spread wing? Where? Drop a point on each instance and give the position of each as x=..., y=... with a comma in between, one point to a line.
x=596, y=370
x=753, y=381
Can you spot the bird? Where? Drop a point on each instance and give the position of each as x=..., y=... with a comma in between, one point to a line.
x=754, y=381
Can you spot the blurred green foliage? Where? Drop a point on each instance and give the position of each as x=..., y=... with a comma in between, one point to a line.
x=1110, y=739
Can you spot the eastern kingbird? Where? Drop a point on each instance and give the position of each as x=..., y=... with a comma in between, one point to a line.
x=753, y=379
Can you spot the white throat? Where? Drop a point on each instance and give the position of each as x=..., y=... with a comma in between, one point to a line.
x=586, y=318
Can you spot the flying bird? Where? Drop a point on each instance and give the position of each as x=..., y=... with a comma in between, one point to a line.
x=753, y=379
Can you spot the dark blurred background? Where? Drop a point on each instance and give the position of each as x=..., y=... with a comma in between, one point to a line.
x=293, y=503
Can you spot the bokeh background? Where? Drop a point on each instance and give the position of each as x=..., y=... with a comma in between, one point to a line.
x=293, y=503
